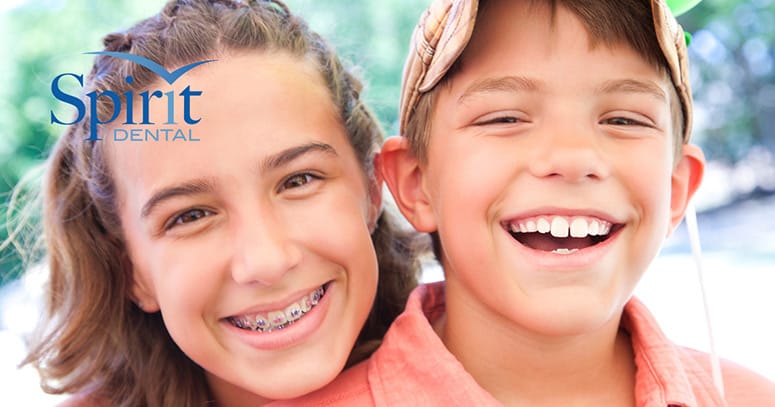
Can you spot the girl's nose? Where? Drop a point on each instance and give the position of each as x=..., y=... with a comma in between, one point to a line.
x=264, y=252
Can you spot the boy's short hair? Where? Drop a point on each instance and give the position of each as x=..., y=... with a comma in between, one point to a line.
x=446, y=27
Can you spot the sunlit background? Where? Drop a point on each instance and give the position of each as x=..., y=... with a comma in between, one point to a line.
x=733, y=78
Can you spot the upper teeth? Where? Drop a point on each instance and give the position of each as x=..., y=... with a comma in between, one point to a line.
x=562, y=226
x=279, y=319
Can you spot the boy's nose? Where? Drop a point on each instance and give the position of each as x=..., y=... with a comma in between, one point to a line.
x=263, y=252
x=572, y=156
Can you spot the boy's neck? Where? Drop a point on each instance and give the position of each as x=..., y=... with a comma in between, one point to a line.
x=520, y=368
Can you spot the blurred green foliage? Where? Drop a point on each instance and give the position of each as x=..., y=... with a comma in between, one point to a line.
x=733, y=70
x=44, y=38
x=41, y=39
x=733, y=77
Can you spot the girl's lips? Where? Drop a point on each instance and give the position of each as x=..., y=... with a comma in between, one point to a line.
x=280, y=304
x=279, y=318
x=286, y=334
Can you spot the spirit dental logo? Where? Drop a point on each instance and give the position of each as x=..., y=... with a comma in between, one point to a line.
x=138, y=132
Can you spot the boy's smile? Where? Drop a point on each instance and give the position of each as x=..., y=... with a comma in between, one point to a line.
x=561, y=239
x=560, y=234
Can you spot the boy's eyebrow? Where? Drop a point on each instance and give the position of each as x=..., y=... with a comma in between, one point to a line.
x=523, y=84
x=204, y=185
x=502, y=84
x=633, y=86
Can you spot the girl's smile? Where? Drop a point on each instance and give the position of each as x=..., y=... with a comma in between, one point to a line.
x=280, y=329
x=268, y=321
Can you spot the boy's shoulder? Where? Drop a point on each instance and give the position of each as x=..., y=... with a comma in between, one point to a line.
x=350, y=388
x=672, y=371
x=742, y=386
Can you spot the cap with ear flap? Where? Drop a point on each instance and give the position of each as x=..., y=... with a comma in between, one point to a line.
x=438, y=40
x=446, y=27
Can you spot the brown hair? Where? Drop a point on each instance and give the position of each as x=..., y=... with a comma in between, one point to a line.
x=609, y=22
x=94, y=338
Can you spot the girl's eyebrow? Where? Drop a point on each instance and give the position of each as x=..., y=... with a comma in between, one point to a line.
x=204, y=185
x=285, y=156
x=192, y=187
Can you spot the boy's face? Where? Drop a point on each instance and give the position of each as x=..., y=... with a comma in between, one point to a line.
x=541, y=134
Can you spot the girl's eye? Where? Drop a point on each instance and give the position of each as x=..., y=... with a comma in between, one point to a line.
x=188, y=216
x=298, y=180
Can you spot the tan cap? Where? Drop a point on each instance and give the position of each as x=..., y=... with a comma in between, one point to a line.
x=446, y=27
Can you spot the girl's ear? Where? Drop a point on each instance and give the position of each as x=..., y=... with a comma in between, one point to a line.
x=142, y=291
x=404, y=177
x=686, y=178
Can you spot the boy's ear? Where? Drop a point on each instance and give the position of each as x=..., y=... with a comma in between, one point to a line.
x=375, y=193
x=404, y=178
x=686, y=179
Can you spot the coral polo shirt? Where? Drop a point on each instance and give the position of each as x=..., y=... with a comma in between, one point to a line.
x=413, y=368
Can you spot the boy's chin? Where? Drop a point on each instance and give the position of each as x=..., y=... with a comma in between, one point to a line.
x=568, y=312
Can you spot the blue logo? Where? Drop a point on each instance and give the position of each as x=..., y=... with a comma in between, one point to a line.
x=136, y=133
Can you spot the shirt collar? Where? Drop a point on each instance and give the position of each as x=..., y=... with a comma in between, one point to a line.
x=413, y=358
x=661, y=379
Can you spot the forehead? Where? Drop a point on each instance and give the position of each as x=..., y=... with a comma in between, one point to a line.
x=236, y=95
x=251, y=105
x=504, y=26
x=524, y=36
x=600, y=23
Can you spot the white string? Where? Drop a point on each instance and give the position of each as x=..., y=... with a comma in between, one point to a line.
x=694, y=240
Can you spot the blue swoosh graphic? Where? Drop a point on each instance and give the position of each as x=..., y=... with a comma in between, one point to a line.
x=170, y=77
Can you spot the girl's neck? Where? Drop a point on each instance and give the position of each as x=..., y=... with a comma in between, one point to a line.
x=524, y=368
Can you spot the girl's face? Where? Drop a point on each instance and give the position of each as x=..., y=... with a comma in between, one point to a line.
x=254, y=241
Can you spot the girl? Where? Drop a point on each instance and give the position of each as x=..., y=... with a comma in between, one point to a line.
x=236, y=264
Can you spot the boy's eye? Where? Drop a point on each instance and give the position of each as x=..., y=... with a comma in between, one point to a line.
x=498, y=120
x=187, y=217
x=297, y=180
x=624, y=121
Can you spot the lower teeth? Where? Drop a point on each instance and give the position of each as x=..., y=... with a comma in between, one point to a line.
x=283, y=326
x=564, y=251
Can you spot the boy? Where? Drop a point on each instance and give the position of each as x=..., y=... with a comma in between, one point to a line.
x=545, y=148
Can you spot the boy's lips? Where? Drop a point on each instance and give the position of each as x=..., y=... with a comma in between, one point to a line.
x=561, y=234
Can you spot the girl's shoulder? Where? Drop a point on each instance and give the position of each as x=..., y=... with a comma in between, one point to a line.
x=85, y=399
